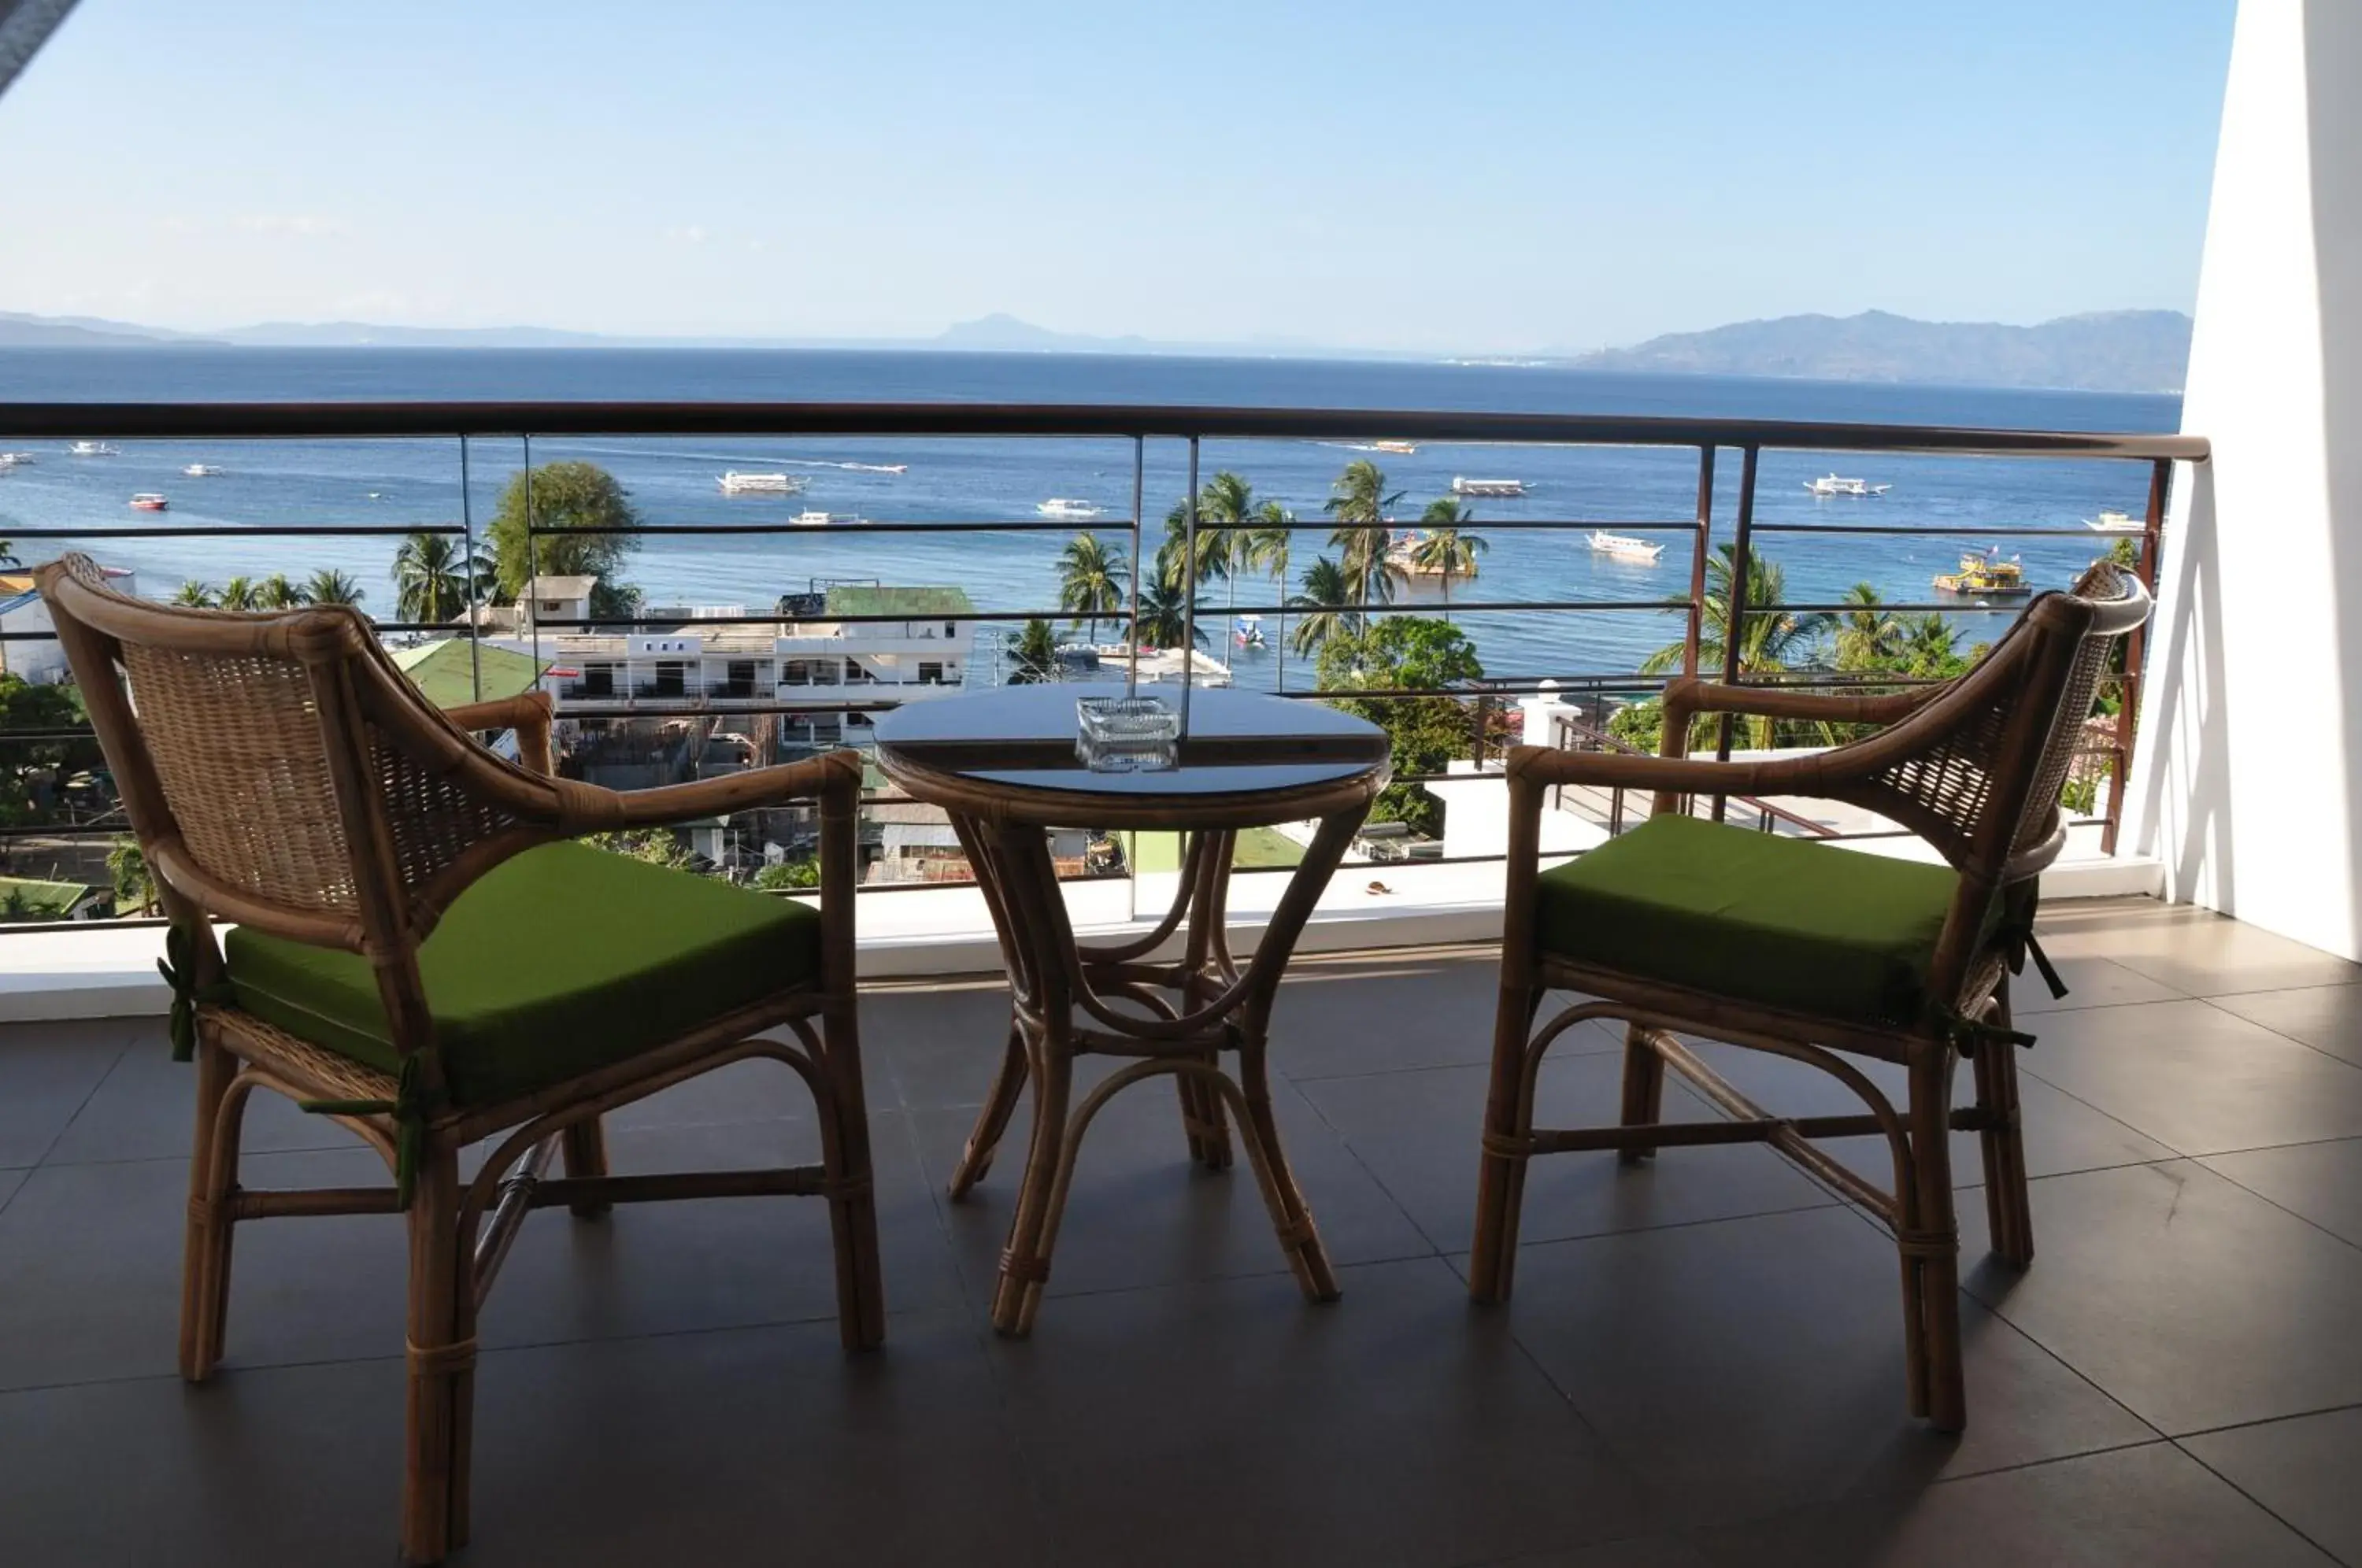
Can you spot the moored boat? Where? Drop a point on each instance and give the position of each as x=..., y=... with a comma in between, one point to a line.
x=1625, y=547
x=1493, y=486
x=1987, y=575
x=1068, y=508
x=2114, y=522
x=1399, y=448
x=1836, y=484
x=148, y=501
x=735, y=483
x=91, y=449
x=202, y=470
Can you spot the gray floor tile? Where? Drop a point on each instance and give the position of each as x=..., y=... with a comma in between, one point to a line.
x=744, y=1091
x=2090, y=982
x=1642, y=1552
x=1140, y=1213
x=46, y=1072
x=2196, y=951
x=10, y=1180
x=92, y=1253
x=2154, y=1507
x=2303, y=1469
x=2195, y=1077
x=2322, y=1182
x=1339, y=1016
x=2192, y=1301
x=650, y=1269
x=927, y=1050
x=1753, y=1365
x=1419, y=1131
x=2327, y=1018
x=146, y=1111
x=1231, y=1423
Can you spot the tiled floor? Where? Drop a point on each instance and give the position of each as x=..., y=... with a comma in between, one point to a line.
x=1702, y=1364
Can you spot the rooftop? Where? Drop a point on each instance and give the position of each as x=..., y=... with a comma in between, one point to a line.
x=862, y=599
x=446, y=672
x=558, y=588
x=1700, y=1366
x=41, y=899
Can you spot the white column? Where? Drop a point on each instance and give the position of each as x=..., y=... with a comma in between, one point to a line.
x=2249, y=784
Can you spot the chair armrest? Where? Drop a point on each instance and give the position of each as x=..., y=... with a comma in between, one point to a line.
x=586, y=808
x=1689, y=696
x=528, y=714
x=1543, y=767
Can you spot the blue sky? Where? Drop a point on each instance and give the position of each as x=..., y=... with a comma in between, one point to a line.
x=1470, y=176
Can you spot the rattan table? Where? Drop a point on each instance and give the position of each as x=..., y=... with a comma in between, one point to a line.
x=1002, y=765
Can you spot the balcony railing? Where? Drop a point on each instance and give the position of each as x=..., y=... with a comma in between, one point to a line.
x=72, y=807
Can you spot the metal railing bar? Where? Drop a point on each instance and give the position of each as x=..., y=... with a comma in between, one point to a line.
x=866, y=526
x=443, y=420
x=238, y=530
x=1935, y=531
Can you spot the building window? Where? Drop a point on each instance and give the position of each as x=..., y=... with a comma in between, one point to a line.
x=931, y=672
x=671, y=678
x=599, y=680
x=741, y=683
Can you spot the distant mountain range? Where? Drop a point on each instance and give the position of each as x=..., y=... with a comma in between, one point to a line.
x=2121, y=351
x=2109, y=351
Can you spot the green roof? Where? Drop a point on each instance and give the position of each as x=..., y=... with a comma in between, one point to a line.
x=918, y=603
x=443, y=670
x=42, y=897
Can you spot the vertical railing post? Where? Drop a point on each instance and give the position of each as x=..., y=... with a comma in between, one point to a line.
x=1700, y=543
x=1190, y=594
x=533, y=567
x=475, y=589
x=2135, y=647
x=1139, y=565
x=1734, y=615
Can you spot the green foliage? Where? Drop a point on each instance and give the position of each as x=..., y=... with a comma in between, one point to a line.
x=788, y=876
x=1092, y=580
x=1035, y=660
x=567, y=496
x=24, y=706
x=1324, y=604
x=135, y=889
x=1164, y=616
x=239, y=593
x=1359, y=504
x=1447, y=548
x=196, y=595
x=277, y=592
x=329, y=586
x=657, y=847
x=434, y=577
x=1423, y=733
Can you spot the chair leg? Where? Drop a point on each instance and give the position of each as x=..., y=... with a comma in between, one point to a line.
x=999, y=1105
x=1644, y=1090
x=206, y=1252
x=2008, y=1212
x=584, y=1147
x=852, y=1200
x=1025, y=1261
x=441, y=1362
x=1930, y=1245
x=1501, y=1177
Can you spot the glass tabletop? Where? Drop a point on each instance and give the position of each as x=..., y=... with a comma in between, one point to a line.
x=1236, y=741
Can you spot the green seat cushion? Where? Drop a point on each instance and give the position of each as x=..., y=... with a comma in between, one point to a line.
x=559, y=960
x=1754, y=916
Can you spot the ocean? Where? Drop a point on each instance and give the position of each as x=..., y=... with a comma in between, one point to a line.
x=280, y=483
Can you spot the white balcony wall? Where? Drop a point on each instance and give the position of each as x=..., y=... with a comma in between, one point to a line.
x=2249, y=784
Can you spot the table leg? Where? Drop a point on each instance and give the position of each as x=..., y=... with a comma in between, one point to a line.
x=993, y=1120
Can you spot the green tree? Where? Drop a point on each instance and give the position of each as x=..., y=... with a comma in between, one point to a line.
x=277, y=592
x=8, y=554
x=1035, y=660
x=657, y=847
x=1359, y=507
x=1213, y=549
x=788, y=876
x=1424, y=735
x=135, y=889
x=1771, y=639
x=1447, y=548
x=1324, y=603
x=1868, y=634
x=567, y=497
x=239, y=593
x=1267, y=547
x=196, y=595
x=1091, y=580
x=329, y=586
x=30, y=705
x=434, y=577
x=1164, y=616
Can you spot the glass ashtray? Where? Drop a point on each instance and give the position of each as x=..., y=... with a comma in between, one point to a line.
x=1126, y=734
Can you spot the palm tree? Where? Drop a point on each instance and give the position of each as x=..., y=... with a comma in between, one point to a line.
x=127, y=866
x=8, y=554
x=196, y=595
x=1771, y=639
x=1267, y=548
x=1931, y=645
x=1164, y=616
x=1091, y=580
x=1868, y=634
x=239, y=593
x=1324, y=602
x=1449, y=550
x=1359, y=506
x=276, y=593
x=1214, y=547
x=1227, y=502
x=1034, y=660
x=329, y=586
x=433, y=579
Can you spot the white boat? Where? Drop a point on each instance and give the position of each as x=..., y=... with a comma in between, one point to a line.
x=1062, y=506
x=811, y=518
x=1399, y=448
x=1498, y=487
x=1624, y=546
x=91, y=449
x=2114, y=522
x=735, y=483
x=1834, y=484
x=202, y=470
x=1248, y=632
x=15, y=460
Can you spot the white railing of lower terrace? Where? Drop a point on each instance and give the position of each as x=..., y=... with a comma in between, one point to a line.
x=1396, y=893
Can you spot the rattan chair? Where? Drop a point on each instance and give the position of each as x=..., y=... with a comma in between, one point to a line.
x=1807, y=951
x=281, y=774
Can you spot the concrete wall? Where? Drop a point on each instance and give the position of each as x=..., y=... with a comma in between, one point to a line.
x=2249, y=784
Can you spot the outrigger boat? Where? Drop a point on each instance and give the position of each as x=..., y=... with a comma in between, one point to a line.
x=1625, y=547
x=1986, y=575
